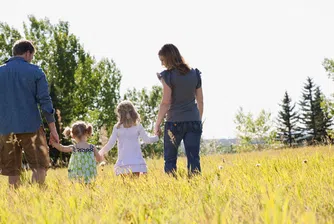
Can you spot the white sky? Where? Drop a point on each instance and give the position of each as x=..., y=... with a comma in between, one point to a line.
x=249, y=52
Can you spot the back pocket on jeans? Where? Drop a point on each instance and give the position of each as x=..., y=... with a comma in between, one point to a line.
x=197, y=126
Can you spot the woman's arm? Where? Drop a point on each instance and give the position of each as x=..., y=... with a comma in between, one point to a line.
x=61, y=147
x=111, y=143
x=199, y=99
x=164, y=105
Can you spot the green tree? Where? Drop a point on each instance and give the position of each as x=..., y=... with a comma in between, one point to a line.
x=323, y=120
x=314, y=119
x=288, y=129
x=329, y=67
x=108, y=93
x=8, y=36
x=254, y=133
x=307, y=116
x=328, y=103
x=328, y=107
x=245, y=127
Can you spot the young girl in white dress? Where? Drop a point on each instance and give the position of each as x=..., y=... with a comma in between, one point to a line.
x=127, y=132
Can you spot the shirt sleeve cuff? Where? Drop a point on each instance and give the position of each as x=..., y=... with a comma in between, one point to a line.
x=49, y=117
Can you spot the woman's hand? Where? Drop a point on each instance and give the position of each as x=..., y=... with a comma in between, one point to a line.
x=157, y=130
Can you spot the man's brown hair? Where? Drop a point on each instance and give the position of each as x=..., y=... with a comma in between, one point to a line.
x=22, y=46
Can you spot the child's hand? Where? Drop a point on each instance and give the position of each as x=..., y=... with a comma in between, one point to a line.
x=55, y=144
x=52, y=142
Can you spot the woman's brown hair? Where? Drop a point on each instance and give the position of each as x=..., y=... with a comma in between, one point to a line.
x=127, y=114
x=173, y=59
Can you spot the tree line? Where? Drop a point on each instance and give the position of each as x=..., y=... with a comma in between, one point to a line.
x=310, y=123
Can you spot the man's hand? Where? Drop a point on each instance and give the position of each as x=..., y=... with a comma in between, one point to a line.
x=54, y=137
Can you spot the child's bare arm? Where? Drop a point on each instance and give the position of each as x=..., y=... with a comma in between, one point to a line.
x=62, y=148
x=98, y=157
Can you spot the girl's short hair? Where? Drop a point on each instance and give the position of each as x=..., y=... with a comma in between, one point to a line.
x=127, y=114
x=173, y=59
x=78, y=130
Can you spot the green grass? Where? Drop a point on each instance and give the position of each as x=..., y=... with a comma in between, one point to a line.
x=288, y=186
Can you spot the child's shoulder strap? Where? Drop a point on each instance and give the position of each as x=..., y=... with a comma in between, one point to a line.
x=74, y=148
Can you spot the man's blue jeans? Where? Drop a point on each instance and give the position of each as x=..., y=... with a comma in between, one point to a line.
x=190, y=132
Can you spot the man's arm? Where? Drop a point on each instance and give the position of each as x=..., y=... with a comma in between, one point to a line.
x=53, y=133
x=44, y=100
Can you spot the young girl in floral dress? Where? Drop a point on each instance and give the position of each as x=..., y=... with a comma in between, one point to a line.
x=82, y=165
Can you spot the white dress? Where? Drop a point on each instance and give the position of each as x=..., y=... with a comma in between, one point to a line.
x=130, y=157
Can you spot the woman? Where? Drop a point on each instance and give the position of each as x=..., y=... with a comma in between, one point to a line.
x=182, y=101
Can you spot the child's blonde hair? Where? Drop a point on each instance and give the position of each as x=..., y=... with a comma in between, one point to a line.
x=78, y=130
x=127, y=114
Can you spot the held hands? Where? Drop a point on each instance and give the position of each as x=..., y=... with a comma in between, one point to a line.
x=53, y=142
x=54, y=137
x=157, y=130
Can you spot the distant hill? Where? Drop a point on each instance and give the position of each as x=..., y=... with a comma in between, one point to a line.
x=224, y=141
x=231, y=141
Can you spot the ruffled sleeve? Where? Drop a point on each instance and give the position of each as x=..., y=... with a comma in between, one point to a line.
x=199, y=78
x=166, y=75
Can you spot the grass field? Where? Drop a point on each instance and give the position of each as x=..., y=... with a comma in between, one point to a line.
x=286, y=186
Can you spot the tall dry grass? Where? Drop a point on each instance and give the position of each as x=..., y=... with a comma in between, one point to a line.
x=286, y=186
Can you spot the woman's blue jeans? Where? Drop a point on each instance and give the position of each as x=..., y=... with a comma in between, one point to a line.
x=190, y=132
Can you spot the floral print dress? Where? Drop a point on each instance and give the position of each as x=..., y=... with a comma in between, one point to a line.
x=82, y=165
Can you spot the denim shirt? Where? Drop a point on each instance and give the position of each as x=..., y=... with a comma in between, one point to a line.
x=23, y=86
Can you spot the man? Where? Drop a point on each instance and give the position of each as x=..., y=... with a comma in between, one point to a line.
x=23, y=87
